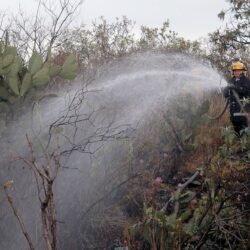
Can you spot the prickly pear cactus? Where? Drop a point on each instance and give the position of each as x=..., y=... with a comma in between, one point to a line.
x=69, y=68
x=16, y=79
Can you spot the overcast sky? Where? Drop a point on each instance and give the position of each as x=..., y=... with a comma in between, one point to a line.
x=191, y=19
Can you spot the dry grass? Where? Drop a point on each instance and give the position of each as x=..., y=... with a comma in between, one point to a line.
x=209, y=135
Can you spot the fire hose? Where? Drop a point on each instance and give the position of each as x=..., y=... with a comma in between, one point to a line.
x=220, y=115
x=223, y=111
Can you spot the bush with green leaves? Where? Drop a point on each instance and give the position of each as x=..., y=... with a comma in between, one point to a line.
x=233, y=39
x=211, y=212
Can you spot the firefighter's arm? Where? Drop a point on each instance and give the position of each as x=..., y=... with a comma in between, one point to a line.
x=242, y=87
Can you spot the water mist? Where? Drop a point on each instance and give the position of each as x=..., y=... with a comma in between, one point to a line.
x=120, y=98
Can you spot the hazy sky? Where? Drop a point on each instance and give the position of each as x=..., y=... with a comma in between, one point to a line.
x=190, y=18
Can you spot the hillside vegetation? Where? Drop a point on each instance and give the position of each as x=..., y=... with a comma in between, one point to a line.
x=187, y=190
x=203, y=202
x=186, y=176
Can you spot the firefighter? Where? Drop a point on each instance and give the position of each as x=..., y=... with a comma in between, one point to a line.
x=238, y=90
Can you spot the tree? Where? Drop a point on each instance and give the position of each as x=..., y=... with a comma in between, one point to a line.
x=40, y=32
x=237, y=32
x=234, y=39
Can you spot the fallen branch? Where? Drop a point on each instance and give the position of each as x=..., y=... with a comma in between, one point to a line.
x=178, y=192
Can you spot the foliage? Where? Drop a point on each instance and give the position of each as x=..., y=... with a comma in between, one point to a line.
x=237, y=34
x=100, y=42
x=27, y=53
x=212, y=212
x=105, y=41
x=27, y=48
x=232, y=41
x=205, y=214
x=17, y=78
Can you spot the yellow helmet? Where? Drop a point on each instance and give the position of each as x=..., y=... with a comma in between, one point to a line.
x=238, y=65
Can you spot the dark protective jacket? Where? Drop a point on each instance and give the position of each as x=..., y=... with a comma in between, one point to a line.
x=242, y=88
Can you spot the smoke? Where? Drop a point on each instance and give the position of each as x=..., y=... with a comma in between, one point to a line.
x=121, y=96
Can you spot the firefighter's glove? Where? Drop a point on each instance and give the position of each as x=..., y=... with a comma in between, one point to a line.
x=232, y=87
x=226, y=92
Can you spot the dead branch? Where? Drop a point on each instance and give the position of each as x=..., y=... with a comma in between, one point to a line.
x=45, y=175
x=178, y=192
x=7, y=185
x=40, y=32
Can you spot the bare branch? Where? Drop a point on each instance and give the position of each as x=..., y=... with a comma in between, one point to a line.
x=180, y=188
x=17, y=215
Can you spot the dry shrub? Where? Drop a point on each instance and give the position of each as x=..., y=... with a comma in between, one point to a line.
x=208, y=137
